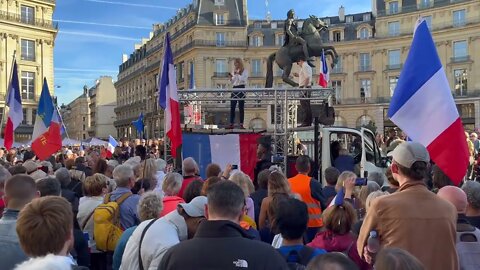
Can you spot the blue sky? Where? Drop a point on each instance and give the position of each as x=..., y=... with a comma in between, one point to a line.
x=95, y=33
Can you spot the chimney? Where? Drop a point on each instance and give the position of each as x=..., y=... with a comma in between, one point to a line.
x=124, y=58
x=374, y=8
x=341, y=13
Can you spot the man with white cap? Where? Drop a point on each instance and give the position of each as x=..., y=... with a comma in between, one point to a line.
x=156, y=237
x=413, y=218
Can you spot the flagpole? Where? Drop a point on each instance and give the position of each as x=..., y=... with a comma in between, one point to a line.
x=6, y=92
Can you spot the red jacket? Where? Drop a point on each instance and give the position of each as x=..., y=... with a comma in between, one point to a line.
x=170, y=203
x=346, y=243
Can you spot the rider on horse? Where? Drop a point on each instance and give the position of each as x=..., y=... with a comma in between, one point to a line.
x=292, y=38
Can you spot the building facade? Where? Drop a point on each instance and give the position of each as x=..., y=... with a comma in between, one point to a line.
x=26, y=29
x=92, y=113
x=209, y=34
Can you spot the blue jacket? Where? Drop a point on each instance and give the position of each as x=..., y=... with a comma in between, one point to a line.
x=11, y=253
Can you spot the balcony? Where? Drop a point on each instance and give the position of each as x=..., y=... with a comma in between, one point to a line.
x=394, y=66
x=363, y=100
x=364, y=68
x=220, y=74
x=16, y=18
x=460, y=59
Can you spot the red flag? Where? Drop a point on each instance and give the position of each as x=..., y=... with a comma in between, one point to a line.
x=49, y=142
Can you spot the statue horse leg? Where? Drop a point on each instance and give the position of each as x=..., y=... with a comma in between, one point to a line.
x=287, y=69
x=269, y=78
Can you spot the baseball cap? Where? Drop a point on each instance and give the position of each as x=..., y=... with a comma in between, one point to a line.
x=196, y=207
x=408, y=153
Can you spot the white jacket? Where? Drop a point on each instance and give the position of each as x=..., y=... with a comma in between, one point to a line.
x=163, y=234
x=85, y=208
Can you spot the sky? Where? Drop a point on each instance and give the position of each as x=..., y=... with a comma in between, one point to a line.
x=93, y=34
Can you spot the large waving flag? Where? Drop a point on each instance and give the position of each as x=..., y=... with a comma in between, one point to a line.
x=139, y=125
x=323, y=78
x=235, y=149
x=168, y=98
x=112, y=143
x=46, y=138
x=423, y=107
x=14, y=103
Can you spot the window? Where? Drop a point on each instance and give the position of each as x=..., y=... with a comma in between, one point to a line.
x=428, y=20
x=365, y=86
x=461, y=78
x=27, y=14
x=337, y=85
x=364, y=61
x=425, y=4
x=337, y=36
x=274, y=25
x=34, y=115
x=366, y=17
x=256, y=41
x=459, y=18
x=394, y=59
x=364, y=33
x=220, y=39
x=393, y=7
x=327, y=21
x=219, y=2
x=393, y=84
x=28, y=85
x=24, y=120
x=394, y=29
x=338, y=67
x=257, y=25
x=180, y=68
x=280, y=40
x=221, y=65
x=460, y=51
x=220, y=18
x=28, y=50
x=256, y=67
x=349, y=19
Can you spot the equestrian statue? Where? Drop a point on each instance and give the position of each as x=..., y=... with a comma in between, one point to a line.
x=299, y=45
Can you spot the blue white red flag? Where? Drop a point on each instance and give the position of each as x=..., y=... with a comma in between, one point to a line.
x=235, y=149
x=324, y=76
x=112, y=143
x=168, y=98
x=15, y=111
x=44, y=112
x=422, y=106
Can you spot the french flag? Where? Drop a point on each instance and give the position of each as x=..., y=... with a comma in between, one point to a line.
x=423, y=107
x=46, y=138
x=168, y=98
x=235, y=149
x=15, y=112
x=112, y=143
x=324, y=76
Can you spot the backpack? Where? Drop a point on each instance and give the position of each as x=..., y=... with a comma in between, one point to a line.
x=468, y=246
x=106, y=223
x=302, y=258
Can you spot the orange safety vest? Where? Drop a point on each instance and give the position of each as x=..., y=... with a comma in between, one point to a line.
x=300, y=184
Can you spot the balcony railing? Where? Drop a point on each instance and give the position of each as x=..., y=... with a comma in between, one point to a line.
x=460, y=59
x=257, y=74
x=220, y=74
x=425, y=4
x=364, y=68
x=17, y=18
x=413, y=8
x=208, y=43
x=394, y=66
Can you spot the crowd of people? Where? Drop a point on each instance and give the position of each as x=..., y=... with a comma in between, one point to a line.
x=82, y=209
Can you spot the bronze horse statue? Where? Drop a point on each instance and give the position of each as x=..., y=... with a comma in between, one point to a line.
x=286, y=56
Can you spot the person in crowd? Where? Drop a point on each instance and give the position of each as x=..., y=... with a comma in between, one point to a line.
x=221, y=232
x=331, y=178
x=305, y=81
x=213, y=170
x=159, y=235
x=160, y=175
x=244, y=182
x=63, y=176
x=17, y=169
x=277, y=186
x=4, y=175
x=94, y=188
x=393, y=184
x=368, y=202
x=362, y=197
x=148, y=170
x=45, y=226
x=101, y=166
x=439, y=179
x=19, y=191
x=239, y=80
x=468, y=236
x=207, y=185
x=264, y=157
x=111, y=164
x=49, y=186
x=171, y=187
x=141, y=151
x=78, y=168
x=193, y=190
x=338, y=222
x=134, y=163
x=344, y=162
x=476, y=142
x=392, y=135
x=351, y=195
x=291, y=221
x=413, y=217
x=310, y=191
x=332, y=261
x=33, y=170
x=125, y=180
x=190, y=173
x=472, y=189
x=261, y=193
x=149, y=207
x=397, y=259
x=141, y=186
x=377, y=177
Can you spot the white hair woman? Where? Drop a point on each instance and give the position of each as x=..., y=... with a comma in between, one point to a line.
x=244, y=182
x=171, y=186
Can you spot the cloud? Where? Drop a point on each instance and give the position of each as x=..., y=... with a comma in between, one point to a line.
x=132, y=4
x=103, y=24
x=98, y=35
x=85, y=70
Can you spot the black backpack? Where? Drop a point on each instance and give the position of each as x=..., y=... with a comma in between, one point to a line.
x=302, y=258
